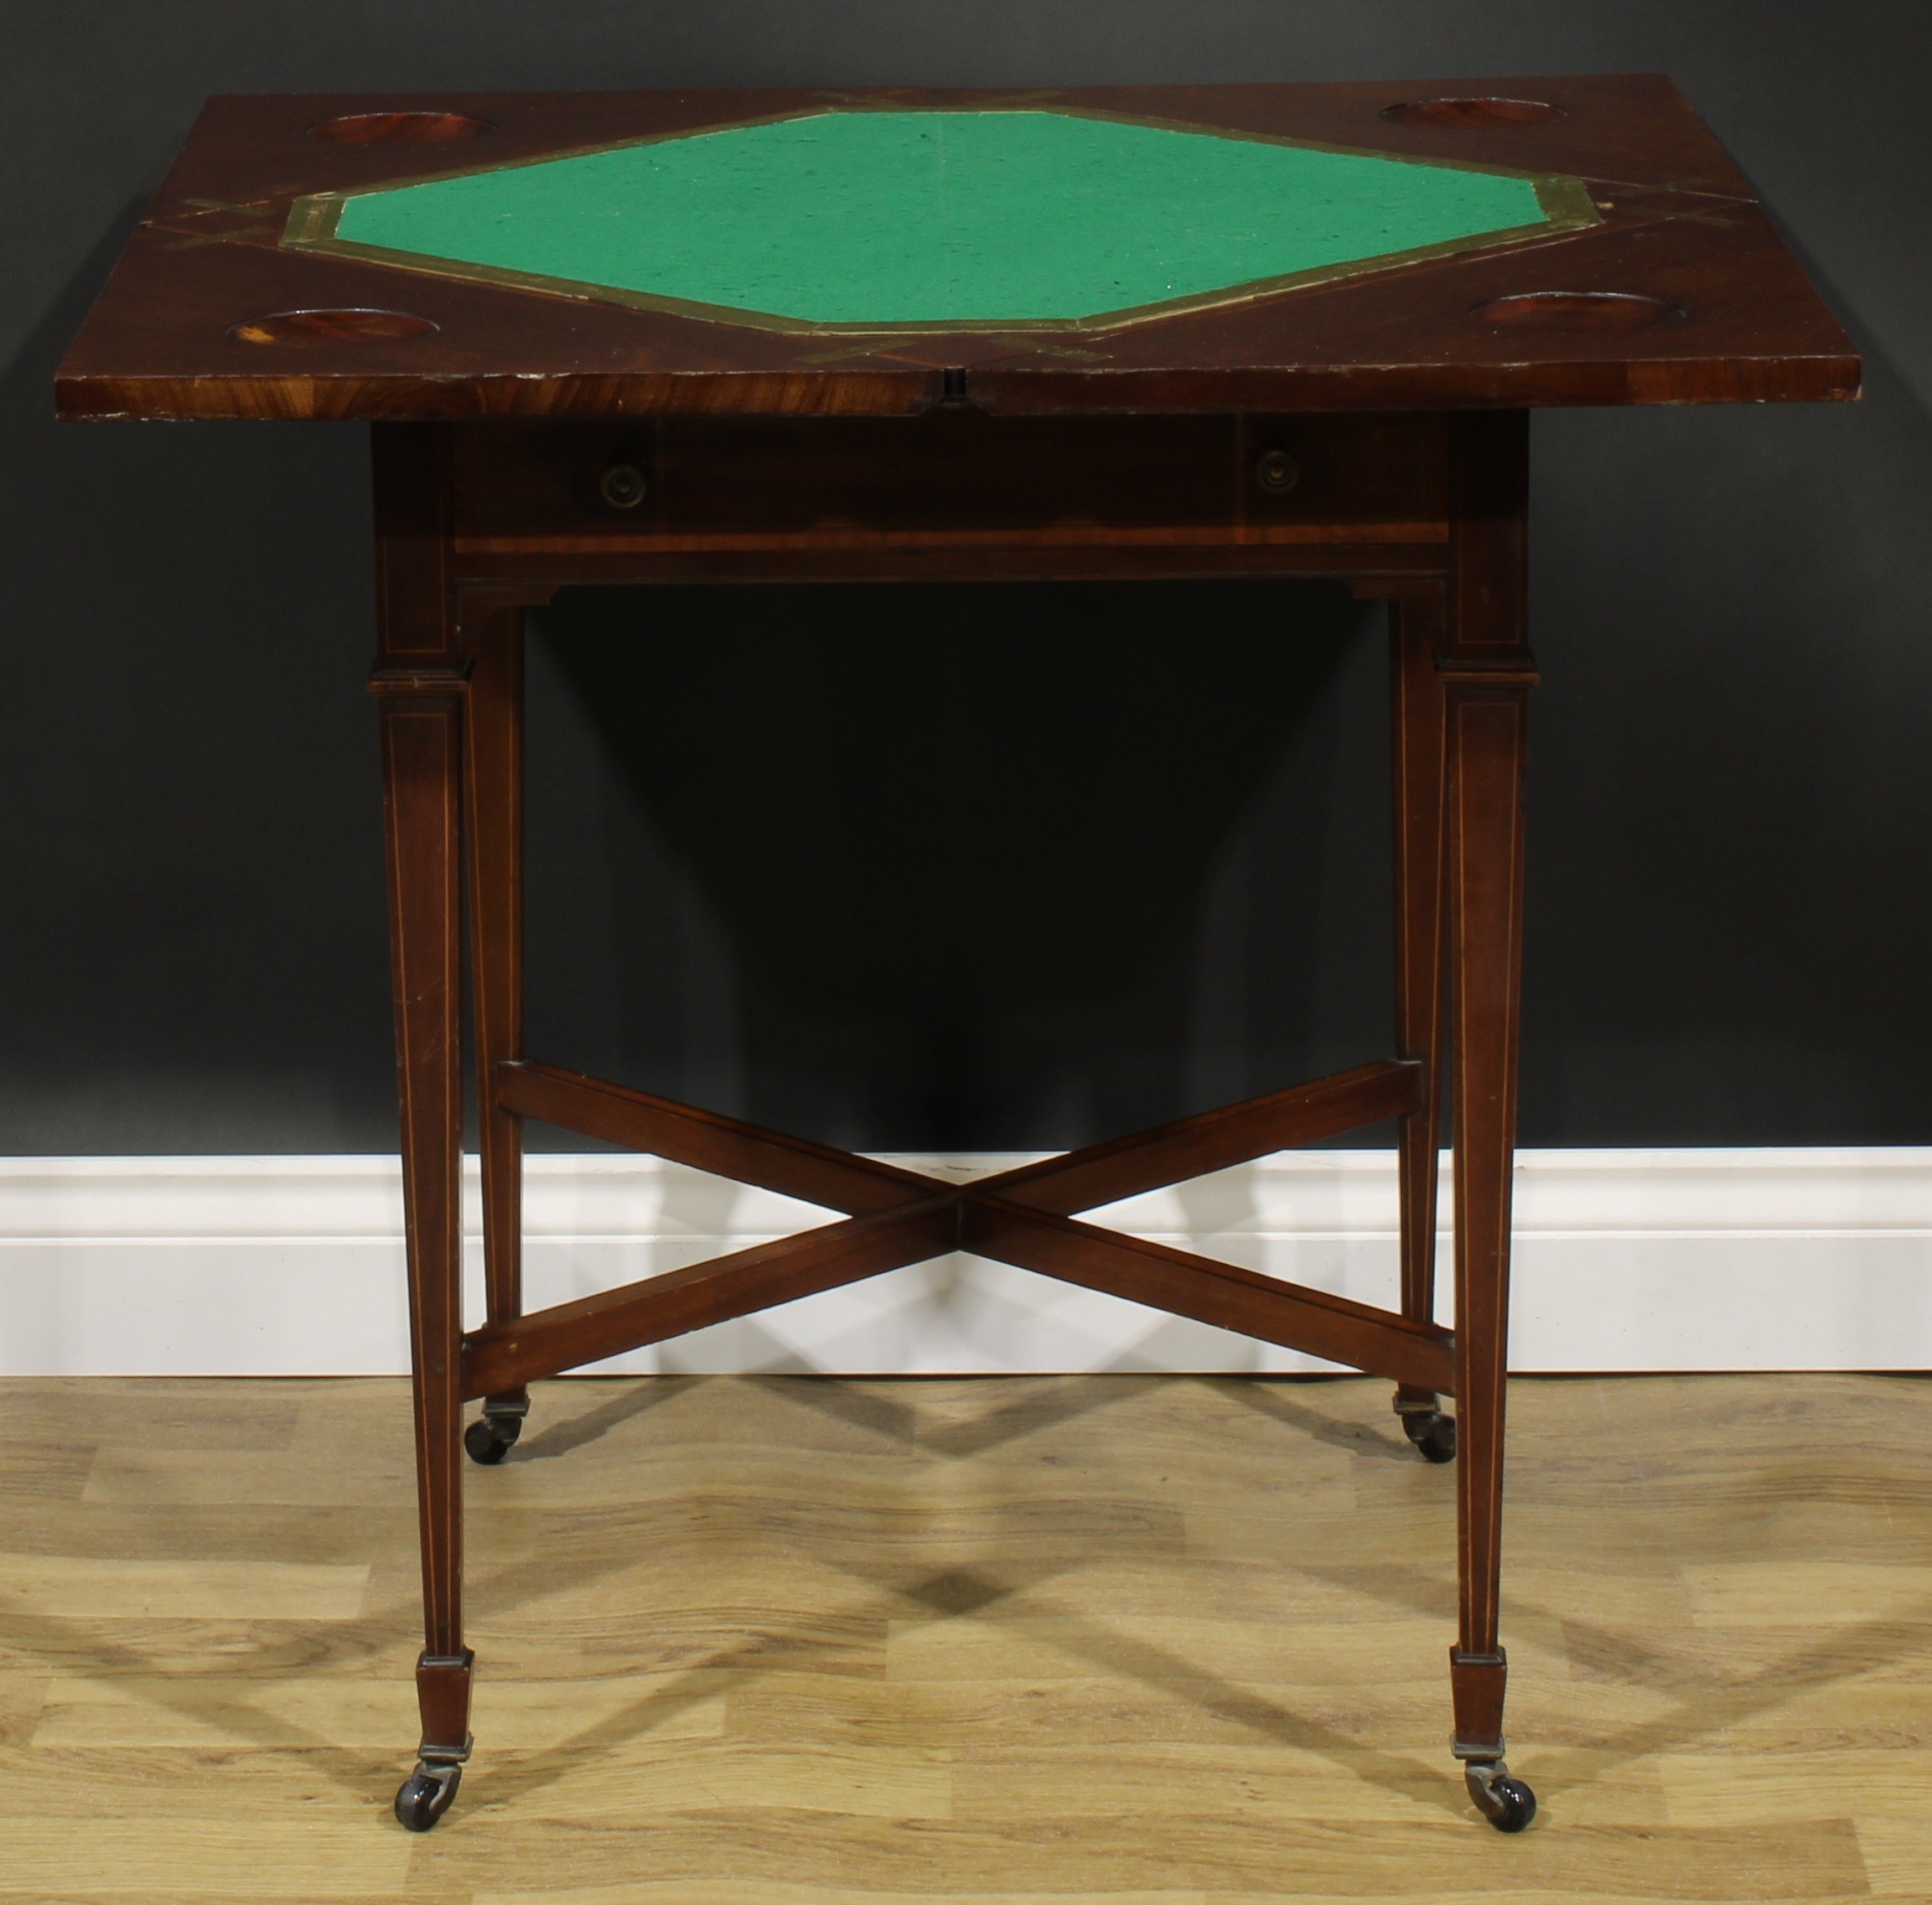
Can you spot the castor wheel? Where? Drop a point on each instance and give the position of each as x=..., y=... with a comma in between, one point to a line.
x=424, y=1797
x=489, y=1438
x=1434, y=1434
x=1500, y=1797
x=493, y=1433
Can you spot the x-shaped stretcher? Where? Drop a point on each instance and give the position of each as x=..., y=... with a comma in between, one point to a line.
x=894, y=1217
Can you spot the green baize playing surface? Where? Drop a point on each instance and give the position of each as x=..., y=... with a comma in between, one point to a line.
x=890, y=217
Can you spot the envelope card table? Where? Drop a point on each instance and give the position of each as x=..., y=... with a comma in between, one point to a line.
x=1162, y=331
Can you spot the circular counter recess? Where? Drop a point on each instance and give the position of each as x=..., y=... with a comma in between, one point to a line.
x=1575, y=311
x=399, y=128
x=330, y=327
x=1473, y=115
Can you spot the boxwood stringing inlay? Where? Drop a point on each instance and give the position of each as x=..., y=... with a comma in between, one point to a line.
x=858, y=220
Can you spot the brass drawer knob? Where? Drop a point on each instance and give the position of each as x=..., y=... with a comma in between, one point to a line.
x=1276, y=472
x=623, y=486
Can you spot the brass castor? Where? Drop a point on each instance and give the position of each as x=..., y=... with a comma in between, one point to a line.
x=1434, y=1434
x=1500, y=1797
x=424, y=1797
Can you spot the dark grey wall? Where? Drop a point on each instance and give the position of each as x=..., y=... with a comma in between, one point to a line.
x=743, y=893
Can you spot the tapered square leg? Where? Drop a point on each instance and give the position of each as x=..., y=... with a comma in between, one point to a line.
x=419, y=680
x=1418, y=752
x=1486, y=669
x=493, y=642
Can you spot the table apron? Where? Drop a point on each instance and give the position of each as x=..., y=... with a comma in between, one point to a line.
x=952, y=493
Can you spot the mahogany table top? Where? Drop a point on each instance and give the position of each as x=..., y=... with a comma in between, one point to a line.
x=1404, y=245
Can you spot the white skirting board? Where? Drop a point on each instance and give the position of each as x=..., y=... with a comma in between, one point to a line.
x=1813, y=1259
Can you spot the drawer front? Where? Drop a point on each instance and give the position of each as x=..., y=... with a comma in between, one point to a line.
x=950, y=478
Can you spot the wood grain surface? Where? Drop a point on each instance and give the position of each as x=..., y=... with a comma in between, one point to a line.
x=208, y=314
x=1127, y=1638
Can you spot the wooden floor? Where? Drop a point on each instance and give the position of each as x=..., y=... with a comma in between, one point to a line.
x=1131, y=1639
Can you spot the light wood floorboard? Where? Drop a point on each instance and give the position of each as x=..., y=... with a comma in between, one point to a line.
x=1148, y=1640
